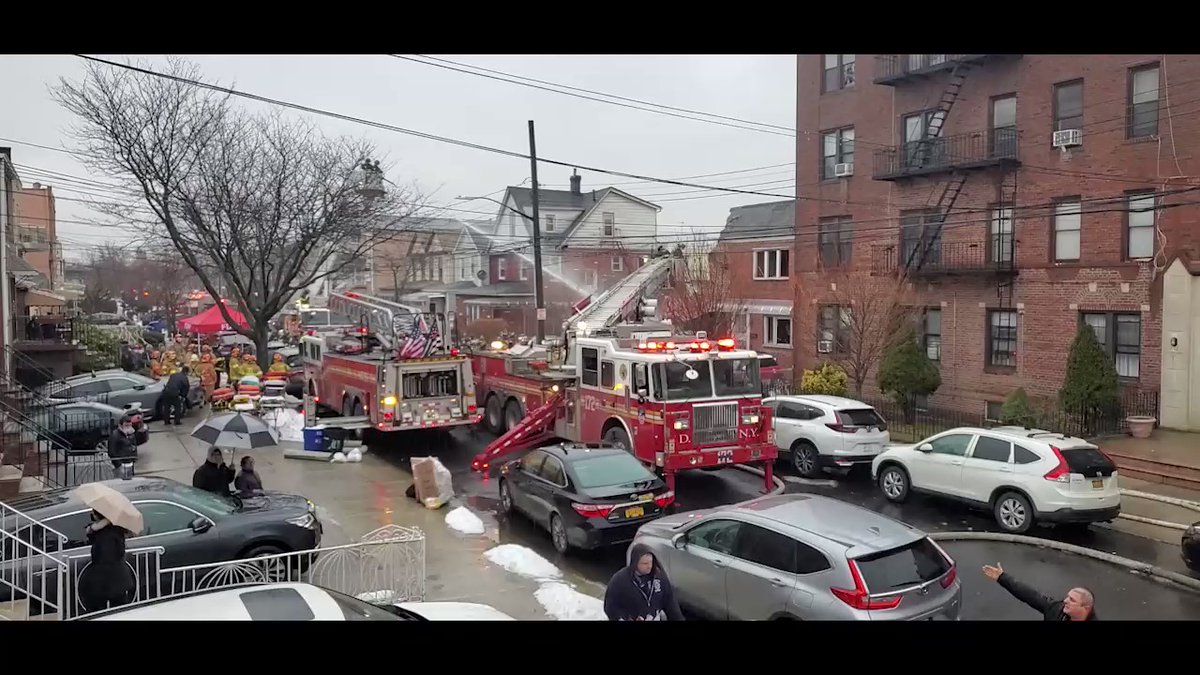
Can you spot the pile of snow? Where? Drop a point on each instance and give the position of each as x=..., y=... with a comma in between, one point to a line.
x=287, y=423
x=523, y=561
x=567, y=604
x=463, y=520
x=355, y=455
x=338, y=458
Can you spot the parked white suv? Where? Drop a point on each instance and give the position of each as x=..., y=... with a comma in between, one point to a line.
x=1021, y=475
x=827, y=431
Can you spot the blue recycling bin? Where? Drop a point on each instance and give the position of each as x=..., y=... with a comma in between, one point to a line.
x=314, y=439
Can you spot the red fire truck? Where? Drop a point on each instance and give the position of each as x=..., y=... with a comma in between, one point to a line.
x=396, y=374
x=675, y=402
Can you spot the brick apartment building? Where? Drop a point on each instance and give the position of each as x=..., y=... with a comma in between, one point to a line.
x=1019, y=195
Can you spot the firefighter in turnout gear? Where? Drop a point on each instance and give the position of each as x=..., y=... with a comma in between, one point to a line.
x=249, y=367
x=278, y=365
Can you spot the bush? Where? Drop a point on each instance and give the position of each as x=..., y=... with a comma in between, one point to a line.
x=1090, y=385
x=829, y=379
x=906, y=370
x=1017, y=410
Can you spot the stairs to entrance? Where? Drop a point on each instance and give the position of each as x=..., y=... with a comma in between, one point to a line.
x=1156, y=470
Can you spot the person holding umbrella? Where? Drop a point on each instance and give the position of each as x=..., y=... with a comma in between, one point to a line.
x=214, y=475
x=107, y=580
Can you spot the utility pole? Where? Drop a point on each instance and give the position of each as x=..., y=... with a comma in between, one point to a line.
x=538, y=295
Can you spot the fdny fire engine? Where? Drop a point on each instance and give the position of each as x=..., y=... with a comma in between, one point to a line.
x=675, y=402
x=394, y=374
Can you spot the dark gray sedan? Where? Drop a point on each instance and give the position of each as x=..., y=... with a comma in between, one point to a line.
x=118, y=388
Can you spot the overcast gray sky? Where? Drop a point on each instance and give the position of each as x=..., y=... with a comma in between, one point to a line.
x=476, y=109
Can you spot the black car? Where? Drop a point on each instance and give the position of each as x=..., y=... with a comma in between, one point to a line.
x=586, y=495
x=86, y=425
x=1190, y=547
x=193, y=526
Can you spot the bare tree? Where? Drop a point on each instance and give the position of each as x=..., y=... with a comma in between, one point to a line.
x=166, y=280
x=270, y=203
x=103, y=281
x=699, y=297
x=854, y=318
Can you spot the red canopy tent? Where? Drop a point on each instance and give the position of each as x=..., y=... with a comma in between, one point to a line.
x=211, y=321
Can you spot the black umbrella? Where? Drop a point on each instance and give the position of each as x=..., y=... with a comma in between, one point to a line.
x=235, y=431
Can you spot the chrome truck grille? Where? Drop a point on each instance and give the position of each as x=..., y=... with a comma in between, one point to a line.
x=714, y=423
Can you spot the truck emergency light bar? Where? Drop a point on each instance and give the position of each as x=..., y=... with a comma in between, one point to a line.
x=698, y=345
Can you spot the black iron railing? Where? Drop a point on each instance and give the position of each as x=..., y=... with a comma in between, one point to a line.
x=995, y=254
x=945, y=153
x=890, y=67
x=43, y=329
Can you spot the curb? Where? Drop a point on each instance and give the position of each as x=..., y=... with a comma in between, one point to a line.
x=1153, y=571
x=780, y=486
x=1183, y=503
x=1153, y=521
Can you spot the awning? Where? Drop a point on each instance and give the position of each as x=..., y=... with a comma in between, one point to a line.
x=40, y=297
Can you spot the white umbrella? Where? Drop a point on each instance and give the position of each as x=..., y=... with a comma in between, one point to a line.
x=111, y=504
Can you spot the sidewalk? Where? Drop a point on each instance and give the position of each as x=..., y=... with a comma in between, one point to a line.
x=1168, y=457
x=1148, y=508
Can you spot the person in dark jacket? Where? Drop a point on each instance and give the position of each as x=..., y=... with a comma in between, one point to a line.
x=1078, y=605
x=214, y=475
x=641, y=591
x=106, y=581
x=120, y=444
x=248, y=483
x=175, y=396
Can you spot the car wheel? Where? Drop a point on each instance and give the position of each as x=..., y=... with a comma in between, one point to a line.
x=804, y=459
x=274, y=569
x=160, y=410
x=493, y=417
x=893, y=482
x=558, y=534
x=506, y=503
x=617, y=436
x=1013, y=513
x=512, y=413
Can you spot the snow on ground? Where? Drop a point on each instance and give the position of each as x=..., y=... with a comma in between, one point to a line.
x=567, y=604
x=287, y=423
x=462, y=520
x=523, y=561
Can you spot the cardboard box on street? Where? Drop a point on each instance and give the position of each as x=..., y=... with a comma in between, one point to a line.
x=431, y=481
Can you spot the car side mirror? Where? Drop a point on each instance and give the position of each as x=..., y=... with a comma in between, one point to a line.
x=201, y=525
x=679, y=541
x=925, y=447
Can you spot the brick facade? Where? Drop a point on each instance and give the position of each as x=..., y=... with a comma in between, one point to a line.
x=1048, y=295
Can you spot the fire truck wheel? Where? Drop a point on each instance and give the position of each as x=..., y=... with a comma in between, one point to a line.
x=512, y=413
x=357, y=434
x=616, y=435
x=493, y=417
x=558, y=534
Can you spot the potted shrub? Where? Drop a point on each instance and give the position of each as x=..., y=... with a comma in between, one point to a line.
x=1140, y=426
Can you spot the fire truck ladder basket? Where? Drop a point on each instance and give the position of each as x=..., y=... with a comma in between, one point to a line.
x=536, y=427
x=380, y=314
x=616, y=304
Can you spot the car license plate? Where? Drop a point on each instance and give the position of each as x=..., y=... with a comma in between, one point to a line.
x=635, y=512
x=724, y=456
x=1098, y=483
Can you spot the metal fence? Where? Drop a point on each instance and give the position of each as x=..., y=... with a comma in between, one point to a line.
x=31, y=577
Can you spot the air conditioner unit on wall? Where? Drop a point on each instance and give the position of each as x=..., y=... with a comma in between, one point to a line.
x=843, y=170
x=824, y=346
x=1067, y=138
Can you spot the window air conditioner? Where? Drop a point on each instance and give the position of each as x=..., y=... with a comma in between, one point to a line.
x=824, y=346
x=1067, y=138
x=842, y=170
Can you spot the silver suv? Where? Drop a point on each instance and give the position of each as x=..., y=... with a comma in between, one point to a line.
x=803, y=557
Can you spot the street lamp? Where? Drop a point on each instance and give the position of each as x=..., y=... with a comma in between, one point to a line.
x=538, y=295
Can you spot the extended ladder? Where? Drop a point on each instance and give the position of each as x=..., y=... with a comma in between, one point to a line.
x=617, y=302
x=534, y=428
x=380, y=315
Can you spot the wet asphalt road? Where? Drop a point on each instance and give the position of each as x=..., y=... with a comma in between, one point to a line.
x=1121, y=594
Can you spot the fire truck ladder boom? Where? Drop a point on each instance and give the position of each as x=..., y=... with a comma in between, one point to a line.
x=379, y=314
x=616, y=303
x=536, y=427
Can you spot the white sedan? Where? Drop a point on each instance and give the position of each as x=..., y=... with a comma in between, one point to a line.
x=295, y=602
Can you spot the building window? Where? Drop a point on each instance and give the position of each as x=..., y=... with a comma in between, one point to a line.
x=931, y=334
x=502, y=269
x=610, y=225
x=834, y=333
x=618, y=264
x=836, y=240
x=522, y=272
x=837, y=148
x=920, y=238
x=1068, y=105
x=1143, y=102
x=1002, y=338
x=1121, y=337
x=771, y=264
x=839, y=71
x=1004, y=126
x=777, y=330
x=549, y=222
x=918, y=130
x=1067, y=224
x=589, y=278
x=993, y=411
x=439, y=269
x=1139, y=225
x=1001, y=248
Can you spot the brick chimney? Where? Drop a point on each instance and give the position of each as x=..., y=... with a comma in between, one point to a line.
x=576, y=181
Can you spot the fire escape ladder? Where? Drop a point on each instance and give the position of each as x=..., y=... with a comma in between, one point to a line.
x=931, y=232
x=933, y=133
x=1006, y=243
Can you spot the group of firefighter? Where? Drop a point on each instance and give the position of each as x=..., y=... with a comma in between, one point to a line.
x=213, y=370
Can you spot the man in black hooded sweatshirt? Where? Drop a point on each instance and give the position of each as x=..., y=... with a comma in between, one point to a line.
x=641, y=591
x=1078, y=605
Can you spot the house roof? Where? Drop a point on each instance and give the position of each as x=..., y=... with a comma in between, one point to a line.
x=566, y=200
x=769, y=219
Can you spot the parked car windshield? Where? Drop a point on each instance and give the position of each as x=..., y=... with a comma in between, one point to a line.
x=736, y=377
x=671, y=382
x=605, y=470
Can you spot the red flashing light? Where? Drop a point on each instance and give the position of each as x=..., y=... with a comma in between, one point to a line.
x=316, y=399
x=453, y=351
x=705, y=346
x=470, y=407
x=1060, y=473
x=352, y=295
x=726, y=343
x=859, y=598
x=593, y=510
x=362, y=330
x=671, y=346
x=311, y=331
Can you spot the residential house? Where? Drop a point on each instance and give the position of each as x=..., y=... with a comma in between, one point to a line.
x=1016, y=197
x=36, y=233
